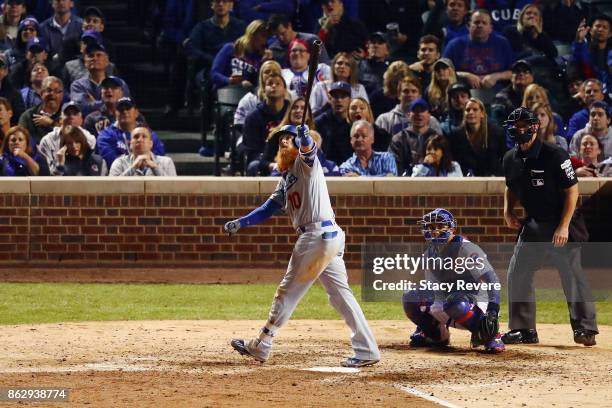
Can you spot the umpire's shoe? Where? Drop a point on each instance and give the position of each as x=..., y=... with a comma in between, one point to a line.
x=523, y=336
x=253, y=348
x=585, y=337
x=355, y=362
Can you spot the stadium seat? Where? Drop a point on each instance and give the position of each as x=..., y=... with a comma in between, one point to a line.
x=223, y=117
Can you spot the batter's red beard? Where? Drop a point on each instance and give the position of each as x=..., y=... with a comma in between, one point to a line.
x=285, y=158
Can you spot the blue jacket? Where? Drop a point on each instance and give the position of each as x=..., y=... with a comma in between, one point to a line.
x=583, y=58
x=225, y=63
x=244, y=9
x=577, y=121
x=11, y=166
x=207, y=38
x=55, y=38
x=113, y=142
x=177, y=20
x=257, y=125
x=495, y=55
x=82, y=89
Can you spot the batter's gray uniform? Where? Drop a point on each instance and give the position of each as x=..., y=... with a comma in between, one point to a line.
x=317, y=254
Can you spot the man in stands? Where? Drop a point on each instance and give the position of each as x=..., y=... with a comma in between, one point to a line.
x=140, y=160
x=281, y=27
x=428, y=54
x=113, y=141
x=598, y=126
x=62, y=26
x=75, y=69
x=591, y=91
x=340, y=32
x=372, y=69
x=334, y=126
x=42, y=118
x=365, y=161
x=511, y=97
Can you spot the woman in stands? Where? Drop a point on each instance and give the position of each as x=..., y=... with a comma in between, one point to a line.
x=535, y=93
x=384, y=100
x=442, y=77
x=31, y=94
x=28, y=29
x=588, y=163
x=249, y=102
x=359, y=109
x=528, y=40
x=296, y=76
x=548, y=127
x=75, y=157
x=344, y=68
x=237, y=63
x=6, y=113
x=437, y=160
x=18, y=158
x=478, y=145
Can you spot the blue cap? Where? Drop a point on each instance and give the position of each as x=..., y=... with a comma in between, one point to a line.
x=70, y=104
x=94, y=46
x=340, y=86
x=37, y=42
x=418, y=103
x=125, y=102
x=28, y=22
x=112, y=82
x=93, y=35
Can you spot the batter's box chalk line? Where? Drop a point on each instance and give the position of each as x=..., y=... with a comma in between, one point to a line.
x=427, y=396
x=343, y=370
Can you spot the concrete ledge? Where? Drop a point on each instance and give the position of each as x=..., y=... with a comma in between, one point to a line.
x=263, y=185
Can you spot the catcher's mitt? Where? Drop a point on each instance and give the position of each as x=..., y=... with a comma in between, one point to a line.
x=488, y=327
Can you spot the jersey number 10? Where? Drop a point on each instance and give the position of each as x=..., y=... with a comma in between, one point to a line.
x=295, y=200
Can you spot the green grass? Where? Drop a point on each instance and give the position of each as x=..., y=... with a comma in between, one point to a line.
x=53, y=302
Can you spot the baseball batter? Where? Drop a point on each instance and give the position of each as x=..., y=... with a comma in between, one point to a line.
x=471, y=304
x=317, y=254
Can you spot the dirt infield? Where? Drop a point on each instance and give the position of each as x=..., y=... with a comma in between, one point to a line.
x=190, y=364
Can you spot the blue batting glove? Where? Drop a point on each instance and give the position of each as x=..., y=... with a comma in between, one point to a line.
x=303, y=136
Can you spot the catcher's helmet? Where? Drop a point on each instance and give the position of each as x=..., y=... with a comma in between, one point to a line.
x=522, y=134
x=437, y=225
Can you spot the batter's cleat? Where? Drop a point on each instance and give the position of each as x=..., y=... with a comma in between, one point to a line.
x=524, y=336
x=585, y=337
x=254, y=348
x=420, y=339
x=355, y=362
x=495, y=346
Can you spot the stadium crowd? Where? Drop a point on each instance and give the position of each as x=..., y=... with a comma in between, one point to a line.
x=403, y=87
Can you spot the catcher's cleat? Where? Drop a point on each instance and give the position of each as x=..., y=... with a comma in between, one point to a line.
x=585, y=337
x=420, y=339
x=254, y=348
x=355, y=362
x=525, y=336
x=495, y=346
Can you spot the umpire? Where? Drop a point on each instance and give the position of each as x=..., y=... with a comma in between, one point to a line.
x=541, y=177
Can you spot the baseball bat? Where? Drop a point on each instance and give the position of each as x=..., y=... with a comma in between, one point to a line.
x=315, y=50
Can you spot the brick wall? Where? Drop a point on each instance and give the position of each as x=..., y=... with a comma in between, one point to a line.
x=178, y=222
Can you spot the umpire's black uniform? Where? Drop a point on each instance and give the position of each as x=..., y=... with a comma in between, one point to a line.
x=538, y=177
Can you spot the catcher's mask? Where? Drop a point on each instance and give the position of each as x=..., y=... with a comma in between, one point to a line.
x=437, y=225
x=521, y=125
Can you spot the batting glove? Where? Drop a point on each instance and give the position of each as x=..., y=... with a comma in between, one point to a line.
x=232, y=227
x=303, y=136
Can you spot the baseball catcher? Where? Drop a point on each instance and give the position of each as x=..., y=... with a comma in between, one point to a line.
x=317, y=254
x=471, y=304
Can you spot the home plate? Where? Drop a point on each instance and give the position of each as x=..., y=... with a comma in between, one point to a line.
x=332, y=369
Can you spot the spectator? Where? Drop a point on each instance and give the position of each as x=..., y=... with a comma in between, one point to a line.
x=36, y=52
x=478, y=145
x=563, y=17
x=591, y=57
x=528, y=40
x=281, y=27
x=249, y=102
x=41, y=119
x=76, y=157
x=402, y=21
x=113, y=141
x=437, y=92
x=428, y=53
x=75, y=69
x=503, y=13
x=437, y=160
x=249, y=10
x=309, y=13
x=87, y=91
x=365, y=161
x=62, y=26
x=51, y=143
x=408, y=146
x=511, y=97
x=398, y=119
x=482, y=58
x=18, y=158
x=340, y=32
x=296, y=76
x=458, y=96
x=237, y=63
x=28, y=29
x=8, y=91
x=6, y=113
x=588, y=163
x=141, y=160
x=32, y=94
x=266, y=116
x=533, y=94
x=372, y=69
x=598, y=126
x=93, y=22
x=14, y=12
x=547, y=131
x=359, y=109
x=112, y=91
x=344, y=69
x=591, y=91
x=333, y=125
x=448, y=20
x=204, y=43
x=385, y=99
